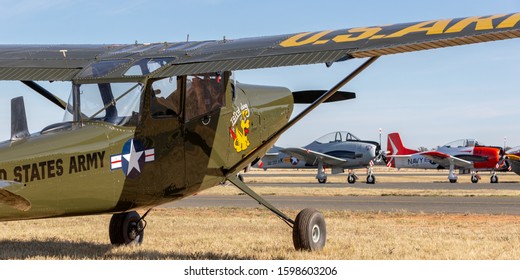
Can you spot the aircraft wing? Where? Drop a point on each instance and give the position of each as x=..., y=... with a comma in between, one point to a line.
x=84, y=62
x=513, y=157
x=312, y=157
x=445, y=159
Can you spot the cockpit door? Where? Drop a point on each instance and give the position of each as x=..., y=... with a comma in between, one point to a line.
x=205, y=97
x=161, y=130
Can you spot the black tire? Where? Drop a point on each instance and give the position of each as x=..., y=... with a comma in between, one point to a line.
x=474, y=179
x=126, y=228
x=351, y=179
x=453, y=181
x=309, y=230
x=240, y=177
x=371, y=179
x=494, y=179
x=322, y=181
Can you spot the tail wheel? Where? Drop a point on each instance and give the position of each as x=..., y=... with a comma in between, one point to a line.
x=322, y=180
x=309, y=231
x=126, y=228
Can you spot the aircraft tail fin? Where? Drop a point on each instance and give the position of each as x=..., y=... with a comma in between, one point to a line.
x=19, y=128
x=395, y=146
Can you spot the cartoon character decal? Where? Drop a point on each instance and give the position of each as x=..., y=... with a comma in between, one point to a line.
x=239, y=128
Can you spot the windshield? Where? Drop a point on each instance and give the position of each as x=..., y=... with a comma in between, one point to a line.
x=116, y=103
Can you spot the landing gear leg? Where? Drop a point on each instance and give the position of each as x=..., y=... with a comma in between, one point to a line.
x=452, y=176
x=371, y=179
x=474, y=177
x=126, y=228
x=352, y=177
x=494, y=177
x=321, y=176
x=309, y=230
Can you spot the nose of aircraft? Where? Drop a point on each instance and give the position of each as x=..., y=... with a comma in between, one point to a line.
x=380, y=154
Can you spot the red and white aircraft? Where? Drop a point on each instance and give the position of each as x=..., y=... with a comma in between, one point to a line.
x=464, y=154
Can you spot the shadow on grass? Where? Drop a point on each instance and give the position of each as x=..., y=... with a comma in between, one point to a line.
x=60, y=249
x=154, y=255
x=51, y=249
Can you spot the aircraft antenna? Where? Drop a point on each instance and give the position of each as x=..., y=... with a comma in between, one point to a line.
x=380, y=130
x=187, y=38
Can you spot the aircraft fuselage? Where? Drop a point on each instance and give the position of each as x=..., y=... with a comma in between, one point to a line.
x=93, y=166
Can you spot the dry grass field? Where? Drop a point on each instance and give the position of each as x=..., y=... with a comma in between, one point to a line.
x=227, y=233
x=255, y=233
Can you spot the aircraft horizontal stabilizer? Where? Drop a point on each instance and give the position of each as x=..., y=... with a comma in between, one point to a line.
x=309, y=96
x=13, y=200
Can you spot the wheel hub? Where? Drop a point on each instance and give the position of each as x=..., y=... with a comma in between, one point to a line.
x=315, y=233
x=132, y=231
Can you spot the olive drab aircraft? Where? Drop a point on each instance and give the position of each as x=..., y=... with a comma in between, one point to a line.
x=337, y=151
x=467, y=155
x=147, y=124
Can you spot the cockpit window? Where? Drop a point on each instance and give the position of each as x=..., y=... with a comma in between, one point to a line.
x=116, y=103
x=103, y=67
x=339, y=136
x=462, y=143
x=166, y=98
x=204, y=93
x=147, y=65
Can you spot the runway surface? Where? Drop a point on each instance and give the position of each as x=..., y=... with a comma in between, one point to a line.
x=406, y=186
x=476, y=205
x=427, y=204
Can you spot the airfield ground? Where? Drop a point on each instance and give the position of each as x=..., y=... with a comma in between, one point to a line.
x=255, y=233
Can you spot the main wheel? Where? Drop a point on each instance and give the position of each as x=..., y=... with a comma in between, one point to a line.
x=371, y=179
x=126, y=228
x=494, y=179
x=309, y=231
x=322, y=181
x=474, y=179
x=351, y=179
x=453, y=180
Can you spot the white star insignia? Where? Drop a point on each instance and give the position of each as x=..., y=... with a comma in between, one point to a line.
x=133, y=159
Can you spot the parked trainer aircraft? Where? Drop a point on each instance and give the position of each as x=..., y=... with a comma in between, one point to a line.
x=464, y=154
x=337, y=151
x=148, y=124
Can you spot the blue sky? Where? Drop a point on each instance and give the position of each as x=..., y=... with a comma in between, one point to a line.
x=430, y=97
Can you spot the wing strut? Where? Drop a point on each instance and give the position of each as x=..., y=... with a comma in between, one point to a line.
x=45, y=93
x=250, y=157
x=243, y=187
